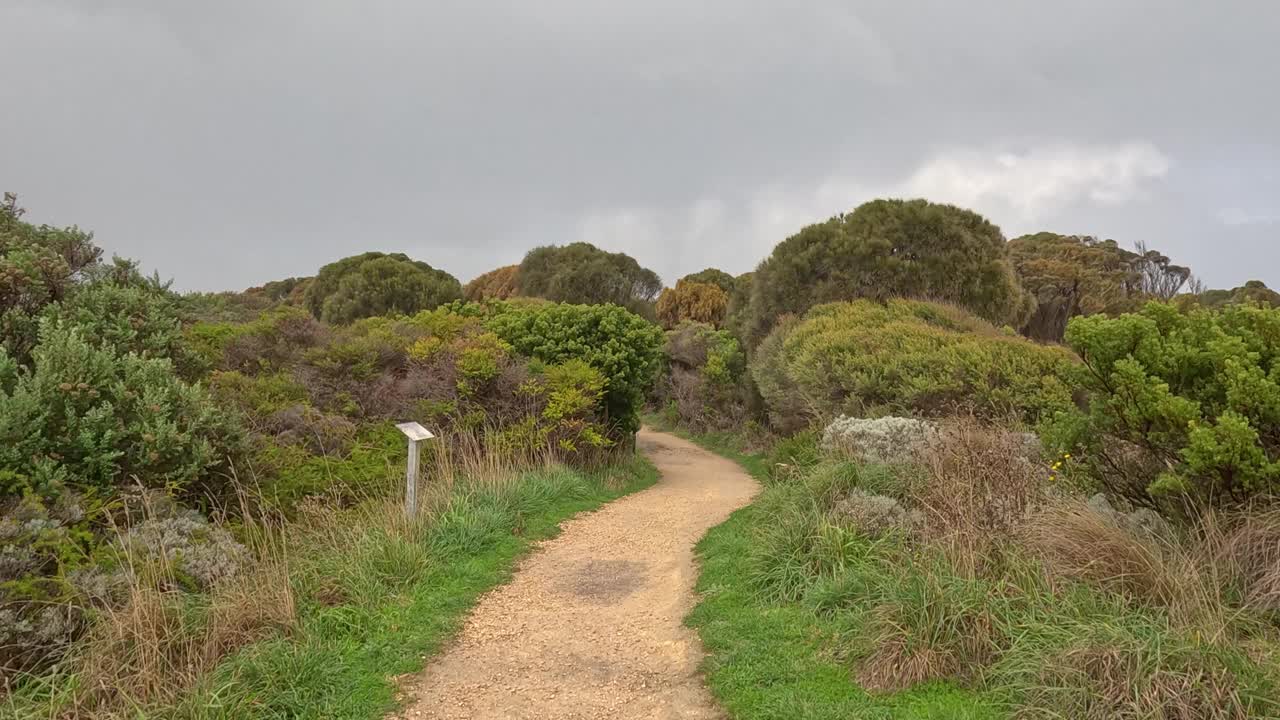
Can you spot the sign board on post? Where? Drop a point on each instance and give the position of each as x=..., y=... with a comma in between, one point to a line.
x=416, y=434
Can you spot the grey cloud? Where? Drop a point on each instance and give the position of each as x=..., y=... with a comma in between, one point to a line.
x=231, y=143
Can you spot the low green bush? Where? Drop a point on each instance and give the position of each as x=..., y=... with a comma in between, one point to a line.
x=1184, y=407
x=620, y=344
x=704, y=377
x=86, y=416
x=904, y=357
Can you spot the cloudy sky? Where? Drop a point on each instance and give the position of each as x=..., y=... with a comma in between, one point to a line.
x=233, y=142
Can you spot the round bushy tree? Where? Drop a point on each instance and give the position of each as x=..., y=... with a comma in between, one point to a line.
x=375, y=284
x=692, y=301
x=712, y=276
x=904, y=357
x=497, y=284
x=584, y=274
x=890, y=248
x=622, y=345
x=1254, y=292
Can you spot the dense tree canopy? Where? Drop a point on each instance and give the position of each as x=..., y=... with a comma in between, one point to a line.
x=375, y=283
x=1254, y=292
x=1183, y=406
x=890, y=248
x=497, y=284
x=39, y=265
x=692, y=301
x=1070, y=275
x=904, y=357
x=712, y=276
x=584, y=274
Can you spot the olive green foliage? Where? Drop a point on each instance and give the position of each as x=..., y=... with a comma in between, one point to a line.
x=498, y=284
x=1254, y=292
x=623, y=346
x=890, y=248
x=1184, y=406
x=737, y=315
x=904, y=357
x=712, y=276
x=87, y=416
x=39, y=265
x=374, y=283
x=247, y=305
x=704, y=378
x=692, y=302
x=583, y=273
x=1071, y=275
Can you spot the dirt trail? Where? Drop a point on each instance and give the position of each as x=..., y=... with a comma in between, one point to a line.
x=591, y=624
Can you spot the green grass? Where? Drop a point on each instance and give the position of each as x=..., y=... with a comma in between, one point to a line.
x=774, y=660
x=340, y=662
x=400, y=599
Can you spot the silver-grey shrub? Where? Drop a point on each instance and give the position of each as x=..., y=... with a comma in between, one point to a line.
x=888, y=440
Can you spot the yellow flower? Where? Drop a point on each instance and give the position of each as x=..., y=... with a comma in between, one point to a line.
x=1066, y=455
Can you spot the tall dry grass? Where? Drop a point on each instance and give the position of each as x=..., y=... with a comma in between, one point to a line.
x=158, y=644
x=981, y=482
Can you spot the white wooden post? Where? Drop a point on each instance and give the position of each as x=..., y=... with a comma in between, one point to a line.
x=416, y=434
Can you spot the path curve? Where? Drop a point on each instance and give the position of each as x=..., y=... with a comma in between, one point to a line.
x=591, y=625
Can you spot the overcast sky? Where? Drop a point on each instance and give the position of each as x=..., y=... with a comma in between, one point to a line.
x=233, y=142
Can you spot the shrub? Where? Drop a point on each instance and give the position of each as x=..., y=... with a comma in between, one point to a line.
x=874, y=516
x=97, y=419
x=374, y=284
x=908, y=358
x=890, y=248
x=711, y=276
x=891, y=440
x=980, y=485
x=621, y=345
x=182, y=550
x=1184, y=407
x=39, y=265
x=692, y=302
x=704, y=377
x=583, y=273
x=130, y=319
x=1254, y=292
x=498, y=284
x=40, y=539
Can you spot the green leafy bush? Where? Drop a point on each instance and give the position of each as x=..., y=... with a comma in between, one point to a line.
x=583, y=273
x=712, y=276
x=39, y=265
x=1184, y=407
x=705, y=377
x=131, y=319
x=620, y=344
x=904, y=357
x=93, y=418
x=890, y=248
x=375, y=283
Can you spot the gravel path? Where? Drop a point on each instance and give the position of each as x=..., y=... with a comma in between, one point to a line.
x=591, y=624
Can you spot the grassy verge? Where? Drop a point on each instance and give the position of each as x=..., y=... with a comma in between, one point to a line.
x=375, y=597
x=773, y=660
x=770, y=660
x=957, y=588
